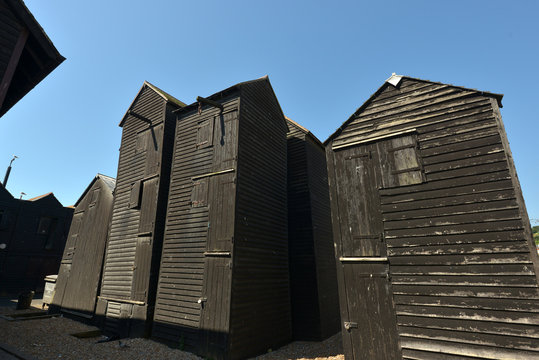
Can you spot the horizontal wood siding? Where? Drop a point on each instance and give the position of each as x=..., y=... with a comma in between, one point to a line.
x=260, y=312
x=303, y=276
x=313, y=287
x=78, y=284
x=121, y=247
x=324, y=252
x=460, y=262
x=181, y=277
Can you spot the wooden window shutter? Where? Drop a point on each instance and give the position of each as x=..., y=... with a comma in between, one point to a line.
x=205, y=134
x=44, y=225
x=136, y=194
x=4, y=218
x=141, y=142
x=95, y=196
x=406, y=164
x=154, y=139
x=199, y=194
x=148, y=206
x=141, y=270
x=400, y=162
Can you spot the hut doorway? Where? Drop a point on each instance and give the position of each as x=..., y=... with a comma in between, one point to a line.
x=369, y=316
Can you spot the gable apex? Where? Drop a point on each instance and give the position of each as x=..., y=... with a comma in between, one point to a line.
x=396, y=81
x=164, y=95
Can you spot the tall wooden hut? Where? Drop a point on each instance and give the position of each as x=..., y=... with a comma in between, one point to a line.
x=434, y=246
x=80, y=271
x=28, y=55
x=136, y=232
x=313, y=279
x=33, y=234
x=223, y=287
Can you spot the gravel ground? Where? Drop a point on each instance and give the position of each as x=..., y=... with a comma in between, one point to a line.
x=50, y=338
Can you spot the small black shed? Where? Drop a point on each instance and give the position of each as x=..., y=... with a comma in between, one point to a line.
x=134, y=243
x=223, y=284
x=435, y=254
x=313, y=280
x=79, y=276
x=33, y=234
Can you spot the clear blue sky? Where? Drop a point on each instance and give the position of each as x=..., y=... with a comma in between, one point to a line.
x=324, y=60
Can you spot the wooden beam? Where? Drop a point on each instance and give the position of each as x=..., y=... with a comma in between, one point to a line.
x=12, y=65
x=140, y=117
x=200, y=99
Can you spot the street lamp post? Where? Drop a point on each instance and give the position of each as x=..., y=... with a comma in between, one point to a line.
x=9, y=170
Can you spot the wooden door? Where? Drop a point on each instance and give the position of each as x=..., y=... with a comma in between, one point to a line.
x=64, y=273
x=215, y=315
x=369, y=318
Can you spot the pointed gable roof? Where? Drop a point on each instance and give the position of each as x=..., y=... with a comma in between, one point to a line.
x=395, y=80
x=4, y=193
x=304, y=130
x=46, y=198
x=223, y=93
x=166, y=96
x=109, y=182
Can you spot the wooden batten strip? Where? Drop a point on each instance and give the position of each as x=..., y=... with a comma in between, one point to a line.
x=368, y=140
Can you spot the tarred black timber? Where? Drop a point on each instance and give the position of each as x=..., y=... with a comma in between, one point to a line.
x=28, y=55
x=433, y=242
x=223, y=288
x=33, y=234
x=313, y=279
x=133, y=250
x=80, y=272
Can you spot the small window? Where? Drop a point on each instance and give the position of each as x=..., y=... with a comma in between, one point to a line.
x=205, y=134
x=95, y=196
x=199, y=194
x=44, y=225
x=141, y=142
x=402, y=162
x=136, y=195
x=4, y=219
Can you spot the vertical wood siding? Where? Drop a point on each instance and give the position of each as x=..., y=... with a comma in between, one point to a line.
x=462, y=271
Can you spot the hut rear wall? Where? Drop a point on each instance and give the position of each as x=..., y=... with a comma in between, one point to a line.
x=326, y=273
x=260, y=313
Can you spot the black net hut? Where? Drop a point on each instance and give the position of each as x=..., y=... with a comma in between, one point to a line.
x=435, y=253
x=80, y=271
x=134, y=243
x=313, y=280
x=223, y=288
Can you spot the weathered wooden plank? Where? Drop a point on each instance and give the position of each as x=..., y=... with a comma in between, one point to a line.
x=467, y=291
x=519, y=305
x=494, y=199
x=501, y=341
x=502, y=326
x=499, y=279
x=462, y=259
x=471, y=216
x=482, y=248
x=478, y=227
x=457, y=239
